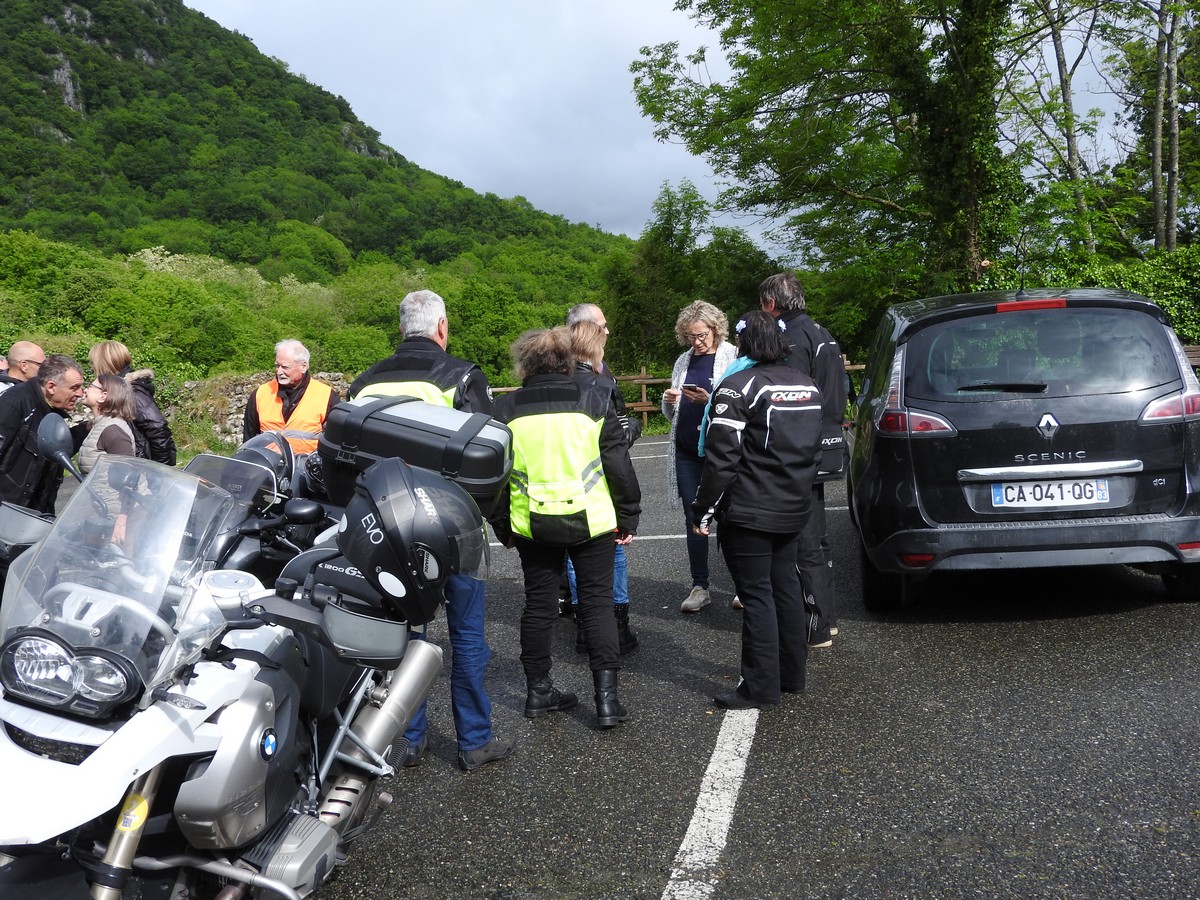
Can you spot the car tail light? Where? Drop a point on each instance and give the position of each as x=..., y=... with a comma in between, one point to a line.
x=1184, y=405
x=1190, y=550
x=1045, y=303
x=927, y=423
x=897, y=419
x=916, y=560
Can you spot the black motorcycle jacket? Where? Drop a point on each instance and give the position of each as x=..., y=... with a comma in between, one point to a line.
x=151, y=434
x=816, y=352
x=760, y=450
x=419, y=360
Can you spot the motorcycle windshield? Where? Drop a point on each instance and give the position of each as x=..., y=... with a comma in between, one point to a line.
x=119, y=570
x=251, y=481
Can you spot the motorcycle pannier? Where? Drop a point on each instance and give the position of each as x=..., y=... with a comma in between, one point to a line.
x=471, y=449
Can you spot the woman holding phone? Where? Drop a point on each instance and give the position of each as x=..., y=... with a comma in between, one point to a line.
x=703, y=329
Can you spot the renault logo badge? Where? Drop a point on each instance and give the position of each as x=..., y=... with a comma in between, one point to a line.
x=1048, y=426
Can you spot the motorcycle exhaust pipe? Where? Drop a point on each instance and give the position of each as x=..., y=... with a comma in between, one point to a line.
x=344, y=806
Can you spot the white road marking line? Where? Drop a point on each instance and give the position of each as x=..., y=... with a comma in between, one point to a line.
x=692, y=878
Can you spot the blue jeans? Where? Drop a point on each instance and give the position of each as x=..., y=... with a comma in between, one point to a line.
x=688, y=469
x=620, y=579
x=469, y=655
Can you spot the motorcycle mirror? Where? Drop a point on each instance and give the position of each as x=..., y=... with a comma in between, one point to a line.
x=54, y=441
x=302, y=511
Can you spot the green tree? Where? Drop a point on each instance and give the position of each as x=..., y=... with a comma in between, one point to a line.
x=649, y=287
x=864, y=126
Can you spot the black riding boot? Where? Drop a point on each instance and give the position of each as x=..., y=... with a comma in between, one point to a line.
x=628, y=639
x=544, y=698
x=609, y=710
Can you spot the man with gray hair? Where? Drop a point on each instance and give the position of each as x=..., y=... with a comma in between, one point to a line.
x=422, y=368
x=293, y=403
x=586, y=312
x=27, y=478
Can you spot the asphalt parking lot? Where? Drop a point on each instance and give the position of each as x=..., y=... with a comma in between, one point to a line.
x=1021, y=734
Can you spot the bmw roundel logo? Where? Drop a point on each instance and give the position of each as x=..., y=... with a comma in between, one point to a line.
x=268, y=744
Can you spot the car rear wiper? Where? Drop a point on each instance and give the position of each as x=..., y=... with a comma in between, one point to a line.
x=1010, y=387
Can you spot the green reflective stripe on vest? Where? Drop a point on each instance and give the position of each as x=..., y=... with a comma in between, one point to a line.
x=556, y=471
x=422, y=390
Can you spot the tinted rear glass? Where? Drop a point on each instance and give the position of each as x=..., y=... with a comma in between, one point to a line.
x=1050, y=353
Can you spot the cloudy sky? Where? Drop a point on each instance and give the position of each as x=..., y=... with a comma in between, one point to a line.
x=513, y=97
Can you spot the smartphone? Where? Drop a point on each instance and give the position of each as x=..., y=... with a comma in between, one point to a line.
x=691, y=387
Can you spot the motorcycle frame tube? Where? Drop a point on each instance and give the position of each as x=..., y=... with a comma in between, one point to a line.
x=344, y=803
x=217, y=867
x=344, y=724
x=376, y=727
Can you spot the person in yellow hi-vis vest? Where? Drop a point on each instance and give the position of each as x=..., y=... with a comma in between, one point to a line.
x=572, y=489
x=293, y=403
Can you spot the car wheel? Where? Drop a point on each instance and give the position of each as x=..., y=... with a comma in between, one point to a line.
x=1184, y=582
x=881, y=591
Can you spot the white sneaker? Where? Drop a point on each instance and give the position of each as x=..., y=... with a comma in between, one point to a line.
x=696, y=600
x=736, y=602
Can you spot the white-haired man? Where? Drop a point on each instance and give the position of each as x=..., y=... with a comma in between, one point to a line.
x=422, y=368
x=293, y=402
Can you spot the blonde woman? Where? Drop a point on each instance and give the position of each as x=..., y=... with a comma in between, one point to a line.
x=703, y=329
x=151, y=433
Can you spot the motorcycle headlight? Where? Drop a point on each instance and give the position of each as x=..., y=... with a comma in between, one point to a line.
x=42, y=670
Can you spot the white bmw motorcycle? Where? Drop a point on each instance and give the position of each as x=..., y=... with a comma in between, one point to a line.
x=170, y=729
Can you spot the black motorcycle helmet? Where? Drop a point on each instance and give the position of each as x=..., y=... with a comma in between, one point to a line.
x=407, y=530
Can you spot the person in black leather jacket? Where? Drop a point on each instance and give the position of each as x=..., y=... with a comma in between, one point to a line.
x=27, y=478
x=151, y=433
x=762, y=444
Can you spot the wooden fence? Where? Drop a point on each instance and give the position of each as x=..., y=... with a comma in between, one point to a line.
x=643, y=405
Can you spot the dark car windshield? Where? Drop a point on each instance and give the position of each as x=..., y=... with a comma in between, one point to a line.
x=1048, y=353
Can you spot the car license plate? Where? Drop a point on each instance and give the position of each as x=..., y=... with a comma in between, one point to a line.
x=1026, y=494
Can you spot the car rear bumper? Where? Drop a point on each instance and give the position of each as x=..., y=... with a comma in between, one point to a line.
x=1130, y=540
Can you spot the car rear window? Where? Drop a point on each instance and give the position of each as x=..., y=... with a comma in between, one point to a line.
x=1049, y=352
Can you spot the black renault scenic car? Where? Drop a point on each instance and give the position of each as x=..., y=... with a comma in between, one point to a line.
x=1020, y=430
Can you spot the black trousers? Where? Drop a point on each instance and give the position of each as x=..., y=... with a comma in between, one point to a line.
x=542, y=566
x=774, y=642
x=814, y=559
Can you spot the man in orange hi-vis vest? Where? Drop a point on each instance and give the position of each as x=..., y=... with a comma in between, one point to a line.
x=293, y=403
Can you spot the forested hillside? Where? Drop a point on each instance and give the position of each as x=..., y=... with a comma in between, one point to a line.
x=136, y=124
